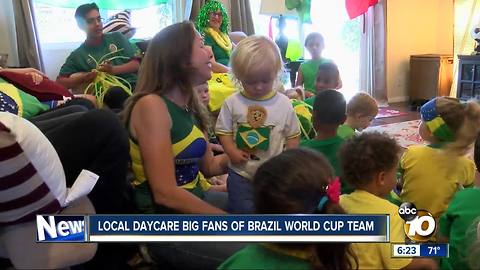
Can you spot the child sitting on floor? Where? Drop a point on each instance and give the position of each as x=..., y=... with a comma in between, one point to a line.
x=256, y=122
x=328, y=114
x=361, y=110
x=306, y=188
x=307, y=74
x=451, y=127
x=369, y=163
x=458, y=225
x=328, y=77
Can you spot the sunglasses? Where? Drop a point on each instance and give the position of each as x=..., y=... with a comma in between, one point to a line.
x=93, y=20
x=216, y=14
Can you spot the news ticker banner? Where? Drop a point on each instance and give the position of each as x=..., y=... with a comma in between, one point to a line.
x=420, y=250
x=213, y=228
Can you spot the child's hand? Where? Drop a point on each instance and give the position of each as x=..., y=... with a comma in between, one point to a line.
x=238, y=156
x=217, y=148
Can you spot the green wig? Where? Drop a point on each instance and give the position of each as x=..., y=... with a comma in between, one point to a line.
x=201, y=22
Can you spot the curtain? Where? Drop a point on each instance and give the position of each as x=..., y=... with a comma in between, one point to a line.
x=29, y=53
x=241, y=18
x=372, y=52
x=195, y=9
x=467, y=15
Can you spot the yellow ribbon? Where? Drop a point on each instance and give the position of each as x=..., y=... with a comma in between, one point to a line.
x=221, y=39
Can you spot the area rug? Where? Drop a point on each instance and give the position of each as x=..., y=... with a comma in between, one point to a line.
x=384, y=112
x=406, y=133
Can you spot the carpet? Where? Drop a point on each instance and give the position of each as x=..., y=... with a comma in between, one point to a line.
x=385, y=112
x=406, y=133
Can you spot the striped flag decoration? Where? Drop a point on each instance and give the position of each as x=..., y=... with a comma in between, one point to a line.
x=32, y=180
x=120, y=22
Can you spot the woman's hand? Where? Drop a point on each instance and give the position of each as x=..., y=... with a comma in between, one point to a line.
x=37, y=77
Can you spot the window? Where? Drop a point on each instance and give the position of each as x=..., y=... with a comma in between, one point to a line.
x=342, y=37
x=58, y=25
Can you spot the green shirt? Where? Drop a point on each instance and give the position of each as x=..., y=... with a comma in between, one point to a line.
x=310, y=101
x=257, y=256
x=457, y=223
x=329, y=148
x=309, y=71
x=79, y=60
x=345, y=132
x=221, y=55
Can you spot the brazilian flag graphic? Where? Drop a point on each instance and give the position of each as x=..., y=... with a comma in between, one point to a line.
x=249, y=138
x=14, y=100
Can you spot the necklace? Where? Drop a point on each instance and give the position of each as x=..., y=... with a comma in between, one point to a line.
x=221, y=39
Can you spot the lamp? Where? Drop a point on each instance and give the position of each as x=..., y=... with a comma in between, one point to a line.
x=276, y=8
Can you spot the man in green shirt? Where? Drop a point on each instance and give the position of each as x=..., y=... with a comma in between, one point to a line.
x=97, y=45
x=329, y=111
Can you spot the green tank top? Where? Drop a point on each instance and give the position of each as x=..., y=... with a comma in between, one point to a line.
x=189, y=146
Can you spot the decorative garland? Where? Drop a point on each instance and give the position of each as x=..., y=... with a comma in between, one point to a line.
x=203, y=18
x=221, y=39
x=103, y=81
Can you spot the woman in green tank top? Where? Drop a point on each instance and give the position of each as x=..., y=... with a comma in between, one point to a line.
x=167, y=123
x=167, y=127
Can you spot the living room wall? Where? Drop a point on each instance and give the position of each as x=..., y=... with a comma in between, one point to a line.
x=414, y=27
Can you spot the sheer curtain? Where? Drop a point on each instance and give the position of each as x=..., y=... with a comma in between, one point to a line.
x=372, y=52
x=29, y=53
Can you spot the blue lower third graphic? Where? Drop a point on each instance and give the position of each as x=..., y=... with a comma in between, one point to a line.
x=61, y=228
x=239, y=228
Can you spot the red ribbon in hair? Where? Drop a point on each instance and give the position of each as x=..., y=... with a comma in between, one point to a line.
x=333, y=190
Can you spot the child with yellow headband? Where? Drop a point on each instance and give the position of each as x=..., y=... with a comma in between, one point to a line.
x=433, y=173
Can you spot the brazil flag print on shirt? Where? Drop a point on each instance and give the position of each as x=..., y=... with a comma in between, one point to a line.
x=188, y=146
x=253, y=138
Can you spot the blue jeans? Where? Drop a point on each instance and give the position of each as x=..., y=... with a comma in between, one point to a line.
x=240, y=194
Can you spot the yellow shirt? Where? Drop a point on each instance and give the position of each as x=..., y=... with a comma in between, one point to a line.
x=376, y=255
x=431, y=177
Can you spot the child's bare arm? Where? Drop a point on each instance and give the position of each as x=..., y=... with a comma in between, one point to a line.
x=292, y=142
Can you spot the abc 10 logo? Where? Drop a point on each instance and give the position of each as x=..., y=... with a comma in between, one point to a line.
x=420, y=225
